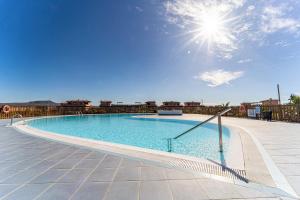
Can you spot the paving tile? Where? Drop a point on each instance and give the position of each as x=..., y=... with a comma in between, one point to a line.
x=78, y=156
x=178, y=174
x=59, y=156
x=110, y=161
x=68, y=163
x=84, y=150
x=16, y=147
x=75, y=175
x=264, y=199
x=123, y=191
x=282, y=198
x=22, y=177
x=187, y=189
x=102, y=174
x=247, y=192
x=130, y=163
x=218, y=189
x=295, y=182
x=59, y=191
x=91, y=191
x=87, y=163
x=6, y=173
x=152, y=173
x=290, y=169
x=42, y=166
x=49, y=176
x=286, y=159
x=5, y=189
x=27, y=192
x=150, y=190
x=25, y=164
x=128, y=174
x=95, y=155
x=8, y=164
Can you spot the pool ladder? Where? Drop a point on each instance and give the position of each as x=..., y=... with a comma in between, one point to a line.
x=15, y=116
x=200, y=124
x=79, y=113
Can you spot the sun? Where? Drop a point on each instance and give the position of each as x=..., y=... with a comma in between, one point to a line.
x=211, y=27
x=211, y=24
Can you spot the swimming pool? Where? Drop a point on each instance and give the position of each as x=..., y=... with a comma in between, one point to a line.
x=147, y=133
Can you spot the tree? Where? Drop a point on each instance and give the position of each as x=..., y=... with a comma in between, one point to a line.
x=294, y=99
x=225, y=104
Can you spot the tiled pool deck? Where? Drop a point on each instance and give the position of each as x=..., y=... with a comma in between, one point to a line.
x=35, y=168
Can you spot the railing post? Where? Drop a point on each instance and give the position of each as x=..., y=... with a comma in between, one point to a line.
x=12, y=118
x=220, y=133
x=209, y=119
x=169, y=144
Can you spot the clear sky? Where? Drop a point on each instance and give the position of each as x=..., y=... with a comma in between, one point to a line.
x=138, y=50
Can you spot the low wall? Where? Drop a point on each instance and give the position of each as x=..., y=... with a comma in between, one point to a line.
x=123, y=109
x=212, y=110
x=289, y=113
x=31, y=111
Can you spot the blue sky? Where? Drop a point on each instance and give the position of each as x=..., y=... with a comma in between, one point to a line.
x=138, y=50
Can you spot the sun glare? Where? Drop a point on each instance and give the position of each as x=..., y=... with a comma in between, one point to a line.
x=211, y=27
x=207, y=23
x=211, y=24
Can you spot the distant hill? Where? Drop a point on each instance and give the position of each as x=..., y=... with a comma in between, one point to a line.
x=32, y=103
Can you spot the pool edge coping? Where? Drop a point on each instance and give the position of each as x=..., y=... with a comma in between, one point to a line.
x=230, y=154
x=41, y=133
x=277, y=176
x=279, y=179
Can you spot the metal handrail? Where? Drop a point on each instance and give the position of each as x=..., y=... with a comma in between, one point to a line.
x=209, y=119
x=200, y=124
x=15, y=116
x=79, y=113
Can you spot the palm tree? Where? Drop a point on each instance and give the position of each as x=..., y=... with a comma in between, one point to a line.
x=225, y=105
x=294, y=99
x=291, y=97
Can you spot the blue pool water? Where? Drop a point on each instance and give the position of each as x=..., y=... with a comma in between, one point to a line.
x=141, y=132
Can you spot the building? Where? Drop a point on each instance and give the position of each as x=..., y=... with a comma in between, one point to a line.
x=270, y=102
x=150, y=103
x=105, y=103
x=247, y=104
x=171, y=103
x=75, y=105
x=192, y=103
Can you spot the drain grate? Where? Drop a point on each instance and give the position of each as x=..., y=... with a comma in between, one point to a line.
x=217, y=169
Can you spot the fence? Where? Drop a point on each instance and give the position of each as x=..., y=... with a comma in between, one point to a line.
x=30, y=111
x=212, y=110
x=289, y=113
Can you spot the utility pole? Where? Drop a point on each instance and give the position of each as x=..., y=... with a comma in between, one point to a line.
x=278, y=91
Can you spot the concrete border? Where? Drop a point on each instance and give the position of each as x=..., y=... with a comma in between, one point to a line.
x=278, y=178
x=70, y=140
x=175, y=160
x=234, y=148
